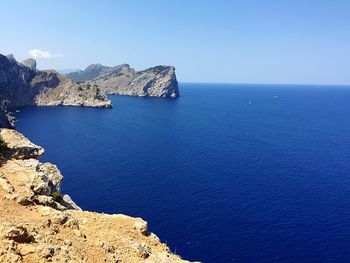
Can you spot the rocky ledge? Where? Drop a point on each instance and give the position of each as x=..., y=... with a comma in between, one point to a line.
x=39, y=224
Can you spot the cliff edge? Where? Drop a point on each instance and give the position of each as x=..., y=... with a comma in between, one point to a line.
x=39, y=224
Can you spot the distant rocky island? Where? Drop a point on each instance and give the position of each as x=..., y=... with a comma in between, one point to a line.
x=159, y=81
x=22, y=84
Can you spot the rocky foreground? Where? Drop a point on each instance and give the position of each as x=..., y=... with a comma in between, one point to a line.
x=39, y=224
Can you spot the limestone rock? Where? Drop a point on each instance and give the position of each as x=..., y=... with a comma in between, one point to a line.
x=18, y=146
x=53, y=174
x=69, y=93
x=5, y=184
x=17, y=233
x=30, y=63
x=70, y=203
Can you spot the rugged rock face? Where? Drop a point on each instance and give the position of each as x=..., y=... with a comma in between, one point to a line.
x=6, y=120
x=30, y=63
x=38, y=224
x=158, y=81
x=67, y=92
x=21, y=84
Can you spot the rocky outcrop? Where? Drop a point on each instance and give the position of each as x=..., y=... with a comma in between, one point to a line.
x=67, y=92
x=21, y=84
x=158, y=81
x=18, y=146
x=31, y=182
x=39, y=224
x=30, y=63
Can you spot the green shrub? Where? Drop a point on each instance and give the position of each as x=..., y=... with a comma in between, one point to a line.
x=3, y=144
x=57, y=196
x=3, y=147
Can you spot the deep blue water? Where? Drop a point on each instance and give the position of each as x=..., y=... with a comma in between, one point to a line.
x=225, y=173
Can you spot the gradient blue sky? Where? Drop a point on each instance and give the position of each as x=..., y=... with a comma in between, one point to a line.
x=261, y=41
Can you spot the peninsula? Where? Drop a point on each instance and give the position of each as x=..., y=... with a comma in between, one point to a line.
x=22, y=84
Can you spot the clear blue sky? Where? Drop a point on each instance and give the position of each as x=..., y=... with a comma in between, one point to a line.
x=261, y=41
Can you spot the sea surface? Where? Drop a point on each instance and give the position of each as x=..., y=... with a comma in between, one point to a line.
x=225, y=173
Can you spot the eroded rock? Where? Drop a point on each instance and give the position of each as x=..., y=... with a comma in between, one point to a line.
x=18, y=146
x=17, y=233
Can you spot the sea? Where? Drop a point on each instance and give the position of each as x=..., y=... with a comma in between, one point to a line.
x=224, y=173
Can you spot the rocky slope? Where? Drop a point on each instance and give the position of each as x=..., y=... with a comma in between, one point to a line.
x=21, y=84
x=159, y=81
x=38, y=224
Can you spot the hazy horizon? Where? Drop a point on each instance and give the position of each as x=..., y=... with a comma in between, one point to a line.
x=253, y=42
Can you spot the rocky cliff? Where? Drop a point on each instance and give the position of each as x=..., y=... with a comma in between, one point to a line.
x=39, y=224
x=159, y=81
x=21, y=84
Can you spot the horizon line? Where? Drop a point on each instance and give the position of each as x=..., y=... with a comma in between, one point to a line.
x=265, y=83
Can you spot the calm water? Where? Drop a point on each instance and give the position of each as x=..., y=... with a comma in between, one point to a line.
x=226, y=173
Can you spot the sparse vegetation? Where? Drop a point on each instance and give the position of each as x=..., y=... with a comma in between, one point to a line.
x=57, y=196
x=3, y=145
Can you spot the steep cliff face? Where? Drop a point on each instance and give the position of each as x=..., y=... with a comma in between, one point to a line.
x=158, y=81
x=38, y=224
x=21, y=84
x=15, y=81
x=6, y=120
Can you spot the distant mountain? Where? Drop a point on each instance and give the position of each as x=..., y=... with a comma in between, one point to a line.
x=93, y=71
x=159, y=81
x=67, y=71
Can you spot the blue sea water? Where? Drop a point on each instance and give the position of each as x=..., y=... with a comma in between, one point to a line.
x=225, y=173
